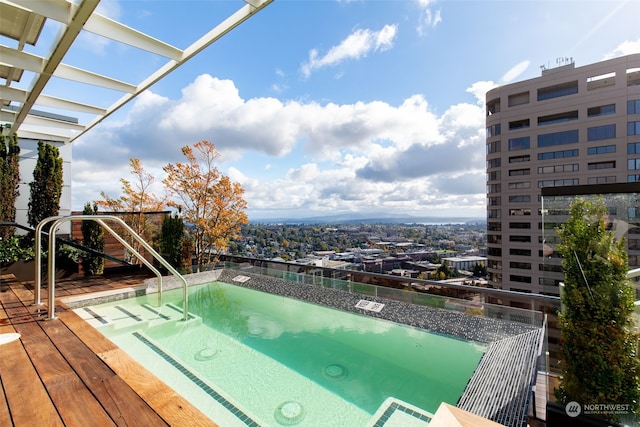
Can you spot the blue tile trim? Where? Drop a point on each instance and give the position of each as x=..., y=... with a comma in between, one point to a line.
x=128, y=313
x=380, y=422
x=96, y=316
x=179, y=310
x=154, y=311
x=197, y=381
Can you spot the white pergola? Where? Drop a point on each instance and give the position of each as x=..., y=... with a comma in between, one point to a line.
x=23, y=21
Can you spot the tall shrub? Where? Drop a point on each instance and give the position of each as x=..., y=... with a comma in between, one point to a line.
x=600, y=364
x=46, y=188
x=172, y=240
x=9, y=180
x=92, y=237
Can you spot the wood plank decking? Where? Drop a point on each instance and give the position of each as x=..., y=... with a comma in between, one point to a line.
x=65, y=373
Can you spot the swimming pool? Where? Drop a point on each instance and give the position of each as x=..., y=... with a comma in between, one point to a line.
x=246, y=356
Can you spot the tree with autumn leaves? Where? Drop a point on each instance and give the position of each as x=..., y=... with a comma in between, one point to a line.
x=208, y=201
x=136, y=201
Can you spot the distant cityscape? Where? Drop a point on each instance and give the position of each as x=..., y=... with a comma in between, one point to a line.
x=415, y=250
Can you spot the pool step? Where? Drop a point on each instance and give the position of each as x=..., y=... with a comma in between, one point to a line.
x=127, y=318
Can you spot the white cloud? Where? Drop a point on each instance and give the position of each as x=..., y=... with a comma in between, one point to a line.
x=515, y=71
x=625, y=48
x=480, y=89
x=429, y=18
x=364, y=156
x=357, y=45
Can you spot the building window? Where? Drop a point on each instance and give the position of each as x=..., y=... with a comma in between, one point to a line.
x=520, y=252
x=557, y=154
x=519, y=143
x=520, y=279
x=633, y=76
x=633, y=106
x=520, y=159
x=520, y=265
x=495, y=201
x=557, y=118
x=493, y=147
x=557, y=91
x=494, y=188
x=602, y=149
x=520, y=212
x=519, y=124
x=633, y=244
x=573, y=167
x=520, y=239
x=601, y=180
x=518, y=99
x=633, y=178
x=519, y=185
x=493, y=176
x=493, y=106
x=558, y=182
x=601, y=165
x=494, y=213
x=633, y=128
x=601, y=132
x=519, y=172
x=558, y=138
x=520, y=225
x=602, y=110
x=493, y=130
x=520, y=199
x=494, y=239
x=633, y=148
x=493, y=163
x=550, y=267
x=494, y=226
x=494, y=251
x=633, y=164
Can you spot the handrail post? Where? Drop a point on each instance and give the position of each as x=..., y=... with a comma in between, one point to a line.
x=37, y=277
x=51, y=271
x=99, y=219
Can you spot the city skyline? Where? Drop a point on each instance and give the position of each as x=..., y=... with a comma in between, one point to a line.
x=325, y=108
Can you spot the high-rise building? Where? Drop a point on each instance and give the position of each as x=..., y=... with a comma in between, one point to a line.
x=571, y=127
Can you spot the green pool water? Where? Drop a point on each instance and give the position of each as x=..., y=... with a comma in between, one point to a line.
x=283, y=361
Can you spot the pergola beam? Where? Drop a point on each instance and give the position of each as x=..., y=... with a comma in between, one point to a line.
x=82, y=13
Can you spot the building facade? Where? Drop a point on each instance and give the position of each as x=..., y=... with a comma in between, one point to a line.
x=570, y=127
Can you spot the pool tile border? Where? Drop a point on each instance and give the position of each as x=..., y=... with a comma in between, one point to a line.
x=237, y=412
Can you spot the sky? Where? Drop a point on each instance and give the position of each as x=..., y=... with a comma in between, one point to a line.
x=333, y=107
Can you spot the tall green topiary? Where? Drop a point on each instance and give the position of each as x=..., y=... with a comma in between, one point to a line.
x=9, y=180
x=172, y=240
x=46, y=188
x=92, y=237
x=600, y=364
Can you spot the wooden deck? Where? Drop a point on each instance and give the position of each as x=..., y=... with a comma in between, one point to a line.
x=63, y=372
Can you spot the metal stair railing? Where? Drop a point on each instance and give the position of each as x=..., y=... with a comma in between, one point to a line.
x=57, y=220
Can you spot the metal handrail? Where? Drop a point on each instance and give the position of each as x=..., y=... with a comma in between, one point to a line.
x=38, y=259
x=100, y=220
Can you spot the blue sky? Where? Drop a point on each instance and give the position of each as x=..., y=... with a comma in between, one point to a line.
x=329, y=107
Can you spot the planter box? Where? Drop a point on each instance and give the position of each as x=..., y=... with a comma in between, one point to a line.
x=24, y=270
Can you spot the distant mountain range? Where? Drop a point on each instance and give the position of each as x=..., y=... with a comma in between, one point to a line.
x=363, y=218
